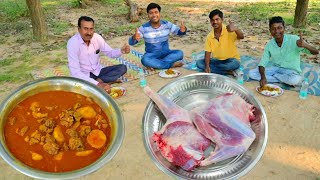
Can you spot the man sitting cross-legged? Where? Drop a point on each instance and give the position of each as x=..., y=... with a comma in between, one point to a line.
x=280, y=61
x=221, y=53
x=156, y=35
x=84, y=56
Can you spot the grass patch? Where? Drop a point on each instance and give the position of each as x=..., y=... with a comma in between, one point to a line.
x=19, y=74
x=120, y=10
x=58, y=27
x=114, y=2
x=6, y=62
x=121, y=29
x=263, y=11
x=13, y=9
x=26, y=56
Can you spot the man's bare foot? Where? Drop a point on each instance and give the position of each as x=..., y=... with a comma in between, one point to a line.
x=177, y=64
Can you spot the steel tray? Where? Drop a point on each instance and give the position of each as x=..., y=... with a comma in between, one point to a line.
x=189, y=92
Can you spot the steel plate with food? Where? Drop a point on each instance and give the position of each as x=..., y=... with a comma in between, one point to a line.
x=169, y=73
x=204, y=126
x=59, y=128
x=270, y=90
x=117, y=92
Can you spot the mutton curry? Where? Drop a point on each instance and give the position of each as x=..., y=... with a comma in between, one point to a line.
x=57, y=131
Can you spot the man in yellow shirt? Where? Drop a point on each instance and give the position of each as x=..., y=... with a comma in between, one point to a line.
x=221, y=53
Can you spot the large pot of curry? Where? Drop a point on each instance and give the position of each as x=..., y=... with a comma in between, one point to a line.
x=59, y=128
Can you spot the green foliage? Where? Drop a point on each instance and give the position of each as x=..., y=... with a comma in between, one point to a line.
x=313, y=18
x=59, y=27
x=6, y=62
x=14, y=71
x=112, y=1
x=26, y=56
x=13, y=9
x=263, y=11
x=5, y=77
x=121, y=29
x=76, y=3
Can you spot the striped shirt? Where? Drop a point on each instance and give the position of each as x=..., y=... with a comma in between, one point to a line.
x=157, y=39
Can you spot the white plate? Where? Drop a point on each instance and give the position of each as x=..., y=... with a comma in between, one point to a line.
x=270, y=93
x=163, y=74
x=117, y=92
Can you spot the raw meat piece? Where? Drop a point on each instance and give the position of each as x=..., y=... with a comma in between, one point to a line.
x=178, y=140
x=225, y=120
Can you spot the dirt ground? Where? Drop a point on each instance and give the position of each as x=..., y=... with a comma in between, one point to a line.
x=293, y=149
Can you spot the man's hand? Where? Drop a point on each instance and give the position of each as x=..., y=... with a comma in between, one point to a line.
x=125, y=49
x=207, y=69
x=182, y=27
x=263, y=81
x=105, y=86
x=136, y=35
x=231, y=27
x=301, y=42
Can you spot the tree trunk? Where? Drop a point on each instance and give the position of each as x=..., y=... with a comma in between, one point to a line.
x=134, y=11
x=39, y=26
x=300, y=15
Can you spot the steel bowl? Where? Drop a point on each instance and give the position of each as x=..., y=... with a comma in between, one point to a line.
x=193, y=91
x=70, y=84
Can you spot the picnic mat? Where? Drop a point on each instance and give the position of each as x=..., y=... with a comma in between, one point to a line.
x=131, y=60
x=310, y=71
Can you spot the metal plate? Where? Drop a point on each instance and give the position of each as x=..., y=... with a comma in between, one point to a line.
x=192, y=91
x=270, y=93
x=107, y=104
x=163, y=74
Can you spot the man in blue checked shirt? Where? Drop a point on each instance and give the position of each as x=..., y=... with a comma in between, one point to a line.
x=156, y=35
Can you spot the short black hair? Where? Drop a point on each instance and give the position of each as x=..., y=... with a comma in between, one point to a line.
x=276, y=19
x=84, y=18
x=152, y=6
x=216, y=12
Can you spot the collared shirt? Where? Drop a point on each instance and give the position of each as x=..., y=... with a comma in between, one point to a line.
x=84, y=58
x=156, y=40
x=225, y=48
x=286, y=56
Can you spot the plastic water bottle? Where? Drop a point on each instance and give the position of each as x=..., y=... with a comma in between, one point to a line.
x=304, y=89
x=240, y=76
x=143, y=81
x=194, y=61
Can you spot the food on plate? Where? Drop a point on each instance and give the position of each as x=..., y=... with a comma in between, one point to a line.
x=269, y=88
x=226, y=124
x=57, y=131
x=170, y=71
x=116, y=92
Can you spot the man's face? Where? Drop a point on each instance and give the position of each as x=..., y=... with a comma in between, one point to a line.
x=277, y=30
x=154, y=15
x=216, y=22
x=86, y=30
